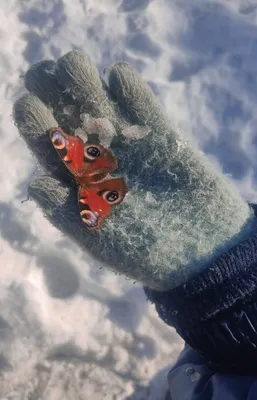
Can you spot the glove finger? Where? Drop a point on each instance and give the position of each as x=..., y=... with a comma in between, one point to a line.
x=42, y=81
x=137, y=99
x=33, y=119
x=110, y=245
x=79, y=76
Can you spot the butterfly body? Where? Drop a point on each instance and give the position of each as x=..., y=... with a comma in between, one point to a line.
x=90, y=165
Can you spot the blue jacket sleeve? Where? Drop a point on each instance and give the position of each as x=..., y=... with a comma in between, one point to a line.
x=192, y=379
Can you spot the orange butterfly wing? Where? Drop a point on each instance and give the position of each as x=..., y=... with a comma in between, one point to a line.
x=87, y=162
x=96, y=200
x=98, y=162
x=70, y=149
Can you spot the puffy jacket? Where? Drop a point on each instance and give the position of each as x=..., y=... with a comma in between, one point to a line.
x=192, y=379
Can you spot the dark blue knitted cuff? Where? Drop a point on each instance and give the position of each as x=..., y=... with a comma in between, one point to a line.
x=216, y=312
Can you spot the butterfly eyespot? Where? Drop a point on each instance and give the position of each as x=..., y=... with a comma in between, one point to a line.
x=58, y=140
x=90, y=218
x=111, y=196
x=92, y=152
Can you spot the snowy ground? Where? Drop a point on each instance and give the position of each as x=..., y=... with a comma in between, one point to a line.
x=68, y=329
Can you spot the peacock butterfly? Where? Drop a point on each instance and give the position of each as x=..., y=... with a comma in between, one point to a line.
x=90, y=165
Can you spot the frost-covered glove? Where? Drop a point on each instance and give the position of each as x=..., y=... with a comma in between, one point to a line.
x=179, y=213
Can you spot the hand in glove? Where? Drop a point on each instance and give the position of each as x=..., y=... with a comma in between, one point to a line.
x=179, y=212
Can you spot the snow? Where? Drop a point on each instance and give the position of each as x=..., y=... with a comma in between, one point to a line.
x=69, y=329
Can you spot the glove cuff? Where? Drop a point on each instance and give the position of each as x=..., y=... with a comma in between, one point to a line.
x=216, y=312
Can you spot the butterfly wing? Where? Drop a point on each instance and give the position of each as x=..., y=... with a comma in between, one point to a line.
x=70, y=149
x=98, y=162
x=96, y=200
x=87, y=162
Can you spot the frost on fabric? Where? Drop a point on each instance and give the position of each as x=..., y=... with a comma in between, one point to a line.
x=136, y=131
x=82, y=134
x=69, y=109
x=100, y=126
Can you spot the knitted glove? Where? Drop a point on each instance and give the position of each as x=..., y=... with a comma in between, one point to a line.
x=179, y=213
